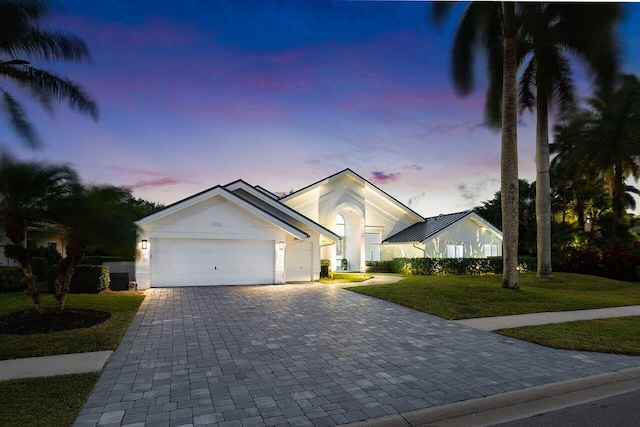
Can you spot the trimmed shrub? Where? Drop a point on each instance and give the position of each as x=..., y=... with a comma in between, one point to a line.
x=438, y=266
x=10, y=278
x=614, y=264
x=90, y=260
x=51, y=254
x=40, y=268
x=378, y=266
x=89, y=279
x=53, y=273
x=325, y=262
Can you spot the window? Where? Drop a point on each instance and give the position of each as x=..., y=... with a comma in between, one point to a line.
x=490, y=250
x=53, y=245
x=372, y=246
x=455, y=251
x=340, y=229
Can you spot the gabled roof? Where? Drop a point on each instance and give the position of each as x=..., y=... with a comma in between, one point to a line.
x=275, y=207
x=223, y=192
x=434, y=225
x=358, y=178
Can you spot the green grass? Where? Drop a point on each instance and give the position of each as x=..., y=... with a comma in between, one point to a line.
x=347, y=278
x=105, y=336
x=464, y=297
x=47, y=401
x=620, y=335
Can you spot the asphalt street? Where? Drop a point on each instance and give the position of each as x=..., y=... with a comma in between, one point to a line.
x=617, y=411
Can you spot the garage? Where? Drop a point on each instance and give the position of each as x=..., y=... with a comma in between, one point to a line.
x=299, y=259
x=209, y=262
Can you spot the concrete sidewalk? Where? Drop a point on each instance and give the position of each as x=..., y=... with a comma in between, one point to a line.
x=48, y=366
x=501, y=322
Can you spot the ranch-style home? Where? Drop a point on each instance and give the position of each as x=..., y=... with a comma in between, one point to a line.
x=243, y=234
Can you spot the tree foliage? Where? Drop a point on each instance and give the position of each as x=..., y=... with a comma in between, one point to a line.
x=23, y=40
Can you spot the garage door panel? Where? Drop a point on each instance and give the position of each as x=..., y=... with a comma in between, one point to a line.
x=200, y=262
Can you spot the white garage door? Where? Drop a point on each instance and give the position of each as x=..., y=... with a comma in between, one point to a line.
x=199, y=262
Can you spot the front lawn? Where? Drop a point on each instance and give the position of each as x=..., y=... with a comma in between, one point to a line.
x=47, y=401
x=464, y=297
x=346, y=278
x=104, y=336
x=620, y=335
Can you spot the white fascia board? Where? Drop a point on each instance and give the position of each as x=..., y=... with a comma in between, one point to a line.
x=219, y=191
x=393, y=201
x=283, y=208
x=486, y=224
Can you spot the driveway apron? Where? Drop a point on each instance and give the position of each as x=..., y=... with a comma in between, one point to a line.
x=313, y=355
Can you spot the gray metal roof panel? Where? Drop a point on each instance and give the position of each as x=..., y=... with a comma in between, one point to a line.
x=423, y=230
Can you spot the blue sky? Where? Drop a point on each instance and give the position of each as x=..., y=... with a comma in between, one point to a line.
x=281, y=94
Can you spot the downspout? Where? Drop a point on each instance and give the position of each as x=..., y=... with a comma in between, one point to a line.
x=424, y=251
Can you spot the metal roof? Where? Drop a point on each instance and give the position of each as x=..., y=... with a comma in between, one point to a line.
x=423, y=230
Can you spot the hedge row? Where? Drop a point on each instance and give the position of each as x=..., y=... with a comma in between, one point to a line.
x=436, y=266
x=86, y=279
x=614, y=264
x=10, y=278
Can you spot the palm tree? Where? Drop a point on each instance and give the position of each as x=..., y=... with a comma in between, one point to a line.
x=549, y=33
x=27, y=192
x=606, y=141
x=97, y=215
x=491, y=27
x=22, y=40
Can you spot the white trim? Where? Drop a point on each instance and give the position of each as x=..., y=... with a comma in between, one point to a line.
x=220, y=191
x=282, y=207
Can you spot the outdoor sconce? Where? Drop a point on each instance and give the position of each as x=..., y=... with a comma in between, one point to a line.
x=144, y=244
x=281, y=245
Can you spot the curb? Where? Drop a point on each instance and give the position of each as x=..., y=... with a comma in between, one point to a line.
x=515, y=405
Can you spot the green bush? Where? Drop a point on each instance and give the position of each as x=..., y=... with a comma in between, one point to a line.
x=378, y=266
x=53, y=273
x=438, y=266
x=325, y=262
x=90, y=260
x=51, y=254
x=10, y=278
x=89, y=279
x=40, y=268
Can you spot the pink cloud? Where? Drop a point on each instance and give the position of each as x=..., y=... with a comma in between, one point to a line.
x=160, y=182
x=379, y=176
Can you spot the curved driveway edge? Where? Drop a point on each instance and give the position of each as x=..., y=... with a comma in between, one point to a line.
x=311, y=355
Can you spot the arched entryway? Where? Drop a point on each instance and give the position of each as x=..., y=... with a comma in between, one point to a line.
x=348, y=224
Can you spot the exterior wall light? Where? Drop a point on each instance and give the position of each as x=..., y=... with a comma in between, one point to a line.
x=145, y=244
x=281, y=245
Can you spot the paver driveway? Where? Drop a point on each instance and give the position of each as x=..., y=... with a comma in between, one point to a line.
x=307, y=355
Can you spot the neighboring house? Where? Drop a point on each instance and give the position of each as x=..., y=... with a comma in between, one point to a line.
x=39, y=234
x=241, y=234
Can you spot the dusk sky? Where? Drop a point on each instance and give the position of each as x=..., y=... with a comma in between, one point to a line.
x=281, y=94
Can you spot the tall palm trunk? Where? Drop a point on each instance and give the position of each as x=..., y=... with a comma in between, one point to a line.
x=618, y=202
x=509, y=161
x=543, y=185
x=65, y=273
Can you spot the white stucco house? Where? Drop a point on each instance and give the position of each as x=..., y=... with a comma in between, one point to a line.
x=243, y=234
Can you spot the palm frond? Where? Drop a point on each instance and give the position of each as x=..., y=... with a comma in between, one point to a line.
x=19, y=122
x=49, y=45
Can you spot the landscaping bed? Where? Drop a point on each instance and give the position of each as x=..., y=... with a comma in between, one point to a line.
x=110, y=314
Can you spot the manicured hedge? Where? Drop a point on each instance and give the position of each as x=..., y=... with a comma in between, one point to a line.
x=437, y=266
x=89, y=279
x=40, y=268
x=10, y=278
x=614, y=264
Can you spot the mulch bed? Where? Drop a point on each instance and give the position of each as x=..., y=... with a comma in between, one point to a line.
x=28, y=322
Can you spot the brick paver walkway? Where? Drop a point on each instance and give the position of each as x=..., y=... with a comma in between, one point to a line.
x=307, y=355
